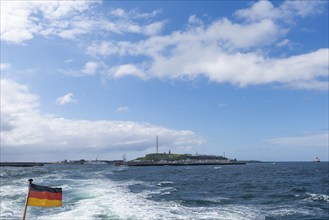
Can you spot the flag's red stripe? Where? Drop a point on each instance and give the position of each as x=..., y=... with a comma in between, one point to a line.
x=45, y=195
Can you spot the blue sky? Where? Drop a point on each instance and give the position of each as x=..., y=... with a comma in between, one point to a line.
x=87, y=79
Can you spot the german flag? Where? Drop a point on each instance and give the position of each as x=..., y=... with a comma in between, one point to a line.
x=44, y=196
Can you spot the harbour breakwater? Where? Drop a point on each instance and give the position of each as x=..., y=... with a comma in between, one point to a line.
x=182, y=163
x=20, y=164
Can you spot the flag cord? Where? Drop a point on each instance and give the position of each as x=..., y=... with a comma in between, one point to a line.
x=27, y=199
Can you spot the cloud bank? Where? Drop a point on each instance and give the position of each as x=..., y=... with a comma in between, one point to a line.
x=226, y=51
x=25, y=130
x=235, y=51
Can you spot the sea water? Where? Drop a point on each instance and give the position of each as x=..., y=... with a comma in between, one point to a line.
x=253, y=191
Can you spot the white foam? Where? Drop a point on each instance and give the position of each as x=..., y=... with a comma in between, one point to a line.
x=165, y=183
x=318, y=197
x=227, y=212
x=12, y=201
x=289, y=210
x=107, y=199
x=113, y=200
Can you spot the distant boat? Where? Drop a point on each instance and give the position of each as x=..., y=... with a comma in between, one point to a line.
x=316, y=159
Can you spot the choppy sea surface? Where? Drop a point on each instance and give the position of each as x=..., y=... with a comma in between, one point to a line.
x=253, y=191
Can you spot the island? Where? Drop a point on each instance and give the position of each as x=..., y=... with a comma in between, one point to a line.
x=169, y=159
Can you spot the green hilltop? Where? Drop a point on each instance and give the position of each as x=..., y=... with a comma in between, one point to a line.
x=178, y=157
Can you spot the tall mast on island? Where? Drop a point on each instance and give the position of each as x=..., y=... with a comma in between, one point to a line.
x=157, y=145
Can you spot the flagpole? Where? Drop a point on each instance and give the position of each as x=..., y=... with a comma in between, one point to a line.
x=27, y=199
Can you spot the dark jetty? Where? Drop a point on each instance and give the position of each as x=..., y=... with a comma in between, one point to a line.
x=20, y=164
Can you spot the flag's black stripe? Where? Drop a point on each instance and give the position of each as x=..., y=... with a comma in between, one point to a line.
x=39, y=188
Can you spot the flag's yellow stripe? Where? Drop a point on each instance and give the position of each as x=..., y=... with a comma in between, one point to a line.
x=44, y=202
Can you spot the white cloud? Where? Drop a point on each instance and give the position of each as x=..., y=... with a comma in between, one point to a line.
x=222, y=34
x=285, y=12
x=105, y=48
x=29, y=131
x=227, y=51
x=258, y=11
x=284, y=43
x=17, y=99
x=320, y=139
x=302, y=8
x=90, y=68
x=145, y=15
x=130, y=22
x=310, y=85
x=194, y=20
x=253, y=69
x=214, y=54
x=133, y=14
x=125, y=70
x=122, y=109
x=222, y=51
x=22, y=20
x=5, y=66
x=119, y=12
x=153, y=28
x=236, y=35
x=68, y=98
